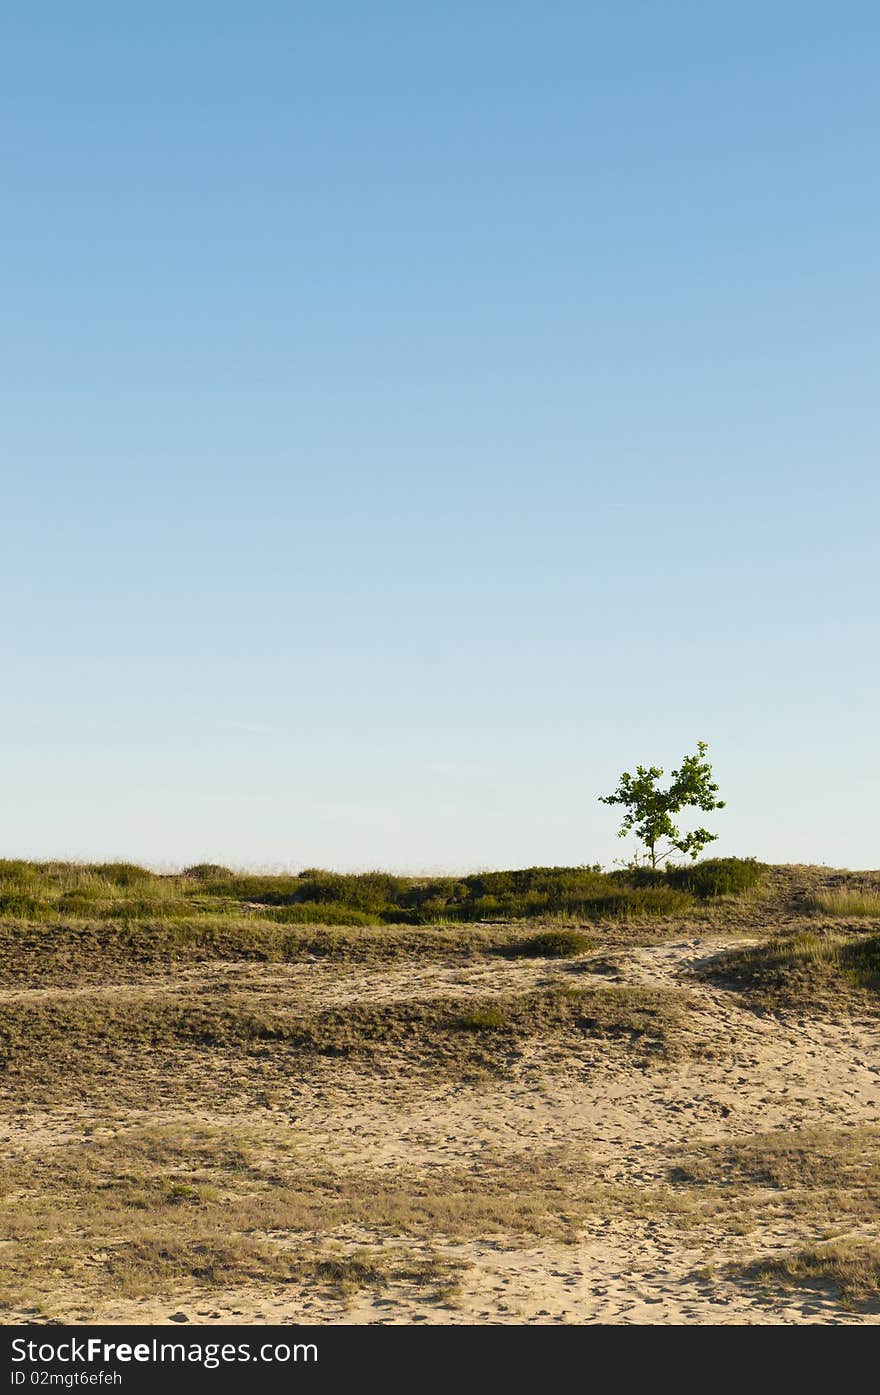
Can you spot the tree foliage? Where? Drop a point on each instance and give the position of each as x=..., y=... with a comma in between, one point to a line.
x=649, y=809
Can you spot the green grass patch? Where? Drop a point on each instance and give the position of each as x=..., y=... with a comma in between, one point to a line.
x=551, y=944
x=792, y=1160
x=124, y=892
x=482, y=1019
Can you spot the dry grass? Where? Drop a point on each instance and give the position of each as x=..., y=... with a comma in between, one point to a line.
x=848, y=1270
x=67, y=956
x=840, y=1159
x=851, y=901
x=162, y=1261
x=262, y=1183
x=67, y=1037
x=814, y=1177
x=151, y=1209
x=163, y=1210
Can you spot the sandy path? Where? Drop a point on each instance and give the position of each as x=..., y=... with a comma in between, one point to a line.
x=319, y=983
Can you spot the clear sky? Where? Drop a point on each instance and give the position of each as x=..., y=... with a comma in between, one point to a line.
x=413, y=415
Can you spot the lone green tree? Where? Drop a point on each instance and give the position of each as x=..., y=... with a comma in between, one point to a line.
x=649, y=809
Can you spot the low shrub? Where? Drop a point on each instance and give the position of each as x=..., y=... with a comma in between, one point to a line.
x=552, y=944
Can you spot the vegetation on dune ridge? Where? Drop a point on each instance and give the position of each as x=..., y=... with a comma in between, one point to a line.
x=807, y=970
x=121, y=892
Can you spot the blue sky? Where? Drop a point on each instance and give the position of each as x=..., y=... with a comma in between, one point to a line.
x=414, y=415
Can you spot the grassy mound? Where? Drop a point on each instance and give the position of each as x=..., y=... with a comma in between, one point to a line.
x=847, y=1270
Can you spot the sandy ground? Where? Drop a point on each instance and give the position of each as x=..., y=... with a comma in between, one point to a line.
x=749, y=1075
